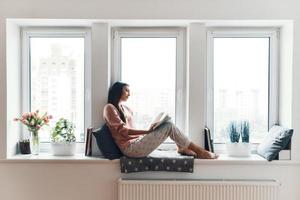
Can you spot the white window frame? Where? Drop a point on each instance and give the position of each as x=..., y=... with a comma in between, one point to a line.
x=68, y=32
x=273, y=34
x=159, y=32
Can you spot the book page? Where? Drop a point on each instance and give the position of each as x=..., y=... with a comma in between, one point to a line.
x=160, y=119
x=157, y=118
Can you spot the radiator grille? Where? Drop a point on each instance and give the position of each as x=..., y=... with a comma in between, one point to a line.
x=198, y=190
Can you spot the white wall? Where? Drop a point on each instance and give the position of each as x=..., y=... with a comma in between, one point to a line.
x=94, y=180
x=101, y=70
x=98, y=181
x=286, y=77
x=196, y=80
x=14, y=82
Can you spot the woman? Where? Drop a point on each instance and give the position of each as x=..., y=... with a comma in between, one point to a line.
x=139, y=143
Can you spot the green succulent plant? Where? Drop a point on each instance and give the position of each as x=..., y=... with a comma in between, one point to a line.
x=233, y=132
x=237, y=130
x=63, y=132
x=244, y=127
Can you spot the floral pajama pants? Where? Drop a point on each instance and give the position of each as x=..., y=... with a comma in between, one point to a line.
x=144, y=145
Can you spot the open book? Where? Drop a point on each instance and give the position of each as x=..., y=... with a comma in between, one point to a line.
x=160, y=119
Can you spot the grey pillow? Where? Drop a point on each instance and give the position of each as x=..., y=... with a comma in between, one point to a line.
x=95, y=150
x=276, y=140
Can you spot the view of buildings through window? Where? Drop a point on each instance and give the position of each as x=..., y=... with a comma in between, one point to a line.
x=57, y=80
x=241, y=85
x=149, y=67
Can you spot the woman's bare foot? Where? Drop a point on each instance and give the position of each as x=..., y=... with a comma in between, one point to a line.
x=185, y=151
x=202, y=153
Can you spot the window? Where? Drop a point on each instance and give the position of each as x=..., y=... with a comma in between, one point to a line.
x=242, y=76
x=151, y=61
x=54, y=70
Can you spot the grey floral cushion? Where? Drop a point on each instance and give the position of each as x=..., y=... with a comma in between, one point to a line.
x=158, y=161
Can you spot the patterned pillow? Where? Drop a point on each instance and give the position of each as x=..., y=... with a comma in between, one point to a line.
x=276, y=140
x=158, y=160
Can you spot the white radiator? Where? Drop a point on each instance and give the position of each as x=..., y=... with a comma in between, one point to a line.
x=198, y=190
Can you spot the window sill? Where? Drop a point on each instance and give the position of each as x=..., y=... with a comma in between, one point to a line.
x=254, y=159
x=80, y=158
x=46, y=157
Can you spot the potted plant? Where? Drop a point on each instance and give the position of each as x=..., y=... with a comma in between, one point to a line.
x=236, y=131
x=24, y=146
x=63, y=140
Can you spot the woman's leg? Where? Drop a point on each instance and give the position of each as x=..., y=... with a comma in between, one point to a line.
x=148, y=143
x=145, y=145
x=191, y=148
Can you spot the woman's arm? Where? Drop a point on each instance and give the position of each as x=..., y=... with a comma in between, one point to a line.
x=112, y=117
x=138, y=132
x=141, y=132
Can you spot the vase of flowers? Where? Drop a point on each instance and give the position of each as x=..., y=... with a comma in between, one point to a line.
x=34, y=142
x=34, y=121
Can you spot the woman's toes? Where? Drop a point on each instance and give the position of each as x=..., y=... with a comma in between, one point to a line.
x=213, y=156
x=207, y=155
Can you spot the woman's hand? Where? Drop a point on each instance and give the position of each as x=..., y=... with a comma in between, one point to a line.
x=151, y=128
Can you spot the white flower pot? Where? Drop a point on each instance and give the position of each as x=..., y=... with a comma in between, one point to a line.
x=63, y=149
x=238, y=149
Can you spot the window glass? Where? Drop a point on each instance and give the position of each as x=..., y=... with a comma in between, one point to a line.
x=149, y=67
x=241, y=85
x=57, y=80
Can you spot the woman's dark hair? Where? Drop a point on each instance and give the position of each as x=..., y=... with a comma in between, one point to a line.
x=114, y=95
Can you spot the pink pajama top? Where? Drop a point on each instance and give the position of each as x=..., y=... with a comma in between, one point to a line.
x=117, y=127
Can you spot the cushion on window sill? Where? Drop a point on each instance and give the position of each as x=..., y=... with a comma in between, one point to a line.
x=106, y=143
x=158, y=160
x=276, y=140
